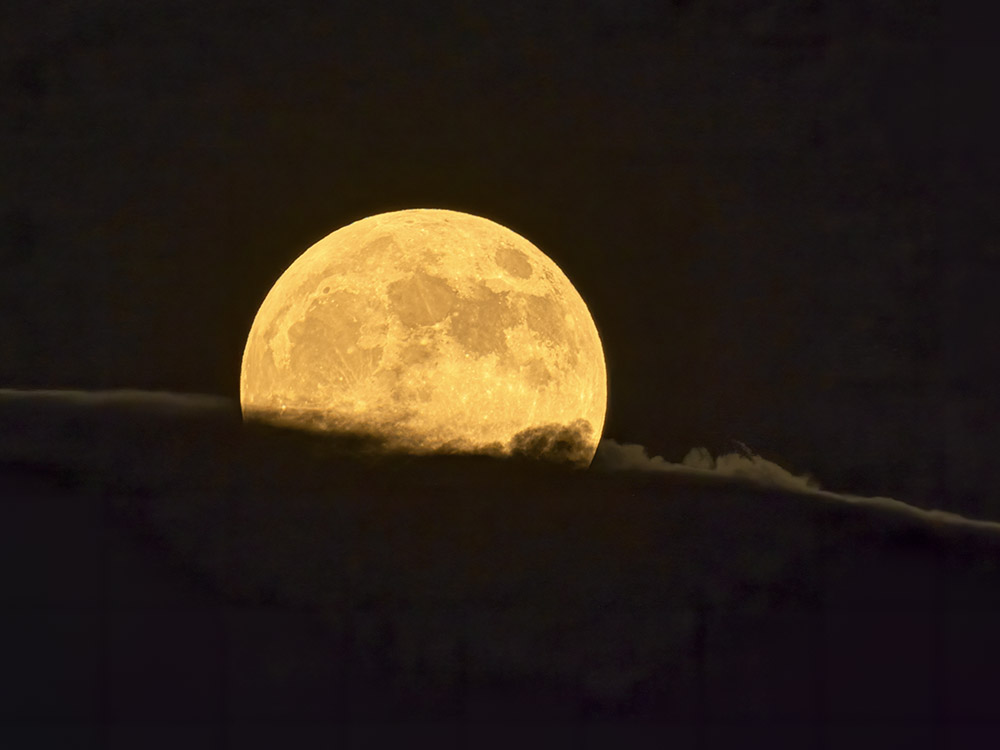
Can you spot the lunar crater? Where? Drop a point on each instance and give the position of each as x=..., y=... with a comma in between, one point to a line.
x=513, y=261
x=422, y=299
x=480, y=323
x=382, y=244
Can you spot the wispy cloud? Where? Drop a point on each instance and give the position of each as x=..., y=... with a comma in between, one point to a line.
x=746, y=465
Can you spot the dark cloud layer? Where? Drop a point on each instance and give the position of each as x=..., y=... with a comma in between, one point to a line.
x=148, y=436
x=495, y=569
x=569, y=444
x=91, y=430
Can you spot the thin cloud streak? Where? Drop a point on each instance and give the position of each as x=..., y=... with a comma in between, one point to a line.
x=118, y=398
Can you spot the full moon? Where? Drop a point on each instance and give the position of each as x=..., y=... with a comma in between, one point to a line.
x=434, y=331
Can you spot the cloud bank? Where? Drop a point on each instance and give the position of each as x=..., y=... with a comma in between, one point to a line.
x=149, y=436
x=515, y=569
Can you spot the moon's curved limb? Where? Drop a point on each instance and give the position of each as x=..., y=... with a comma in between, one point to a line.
x=433, y=329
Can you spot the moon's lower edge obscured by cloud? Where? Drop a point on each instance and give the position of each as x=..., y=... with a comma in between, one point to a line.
x=435, y=330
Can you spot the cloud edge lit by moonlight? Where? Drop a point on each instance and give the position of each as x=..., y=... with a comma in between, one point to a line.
x=748, y=466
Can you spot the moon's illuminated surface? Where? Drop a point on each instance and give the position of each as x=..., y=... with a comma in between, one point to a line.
x=432, y=329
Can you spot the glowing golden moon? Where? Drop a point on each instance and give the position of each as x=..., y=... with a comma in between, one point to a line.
x=433, y=330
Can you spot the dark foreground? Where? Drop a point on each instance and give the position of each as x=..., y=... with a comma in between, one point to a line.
x=253, y=591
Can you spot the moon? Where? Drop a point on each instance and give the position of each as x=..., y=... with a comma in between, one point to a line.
x=434, y=330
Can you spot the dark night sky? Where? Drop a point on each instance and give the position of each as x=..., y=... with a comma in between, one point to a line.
x=778, y=212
